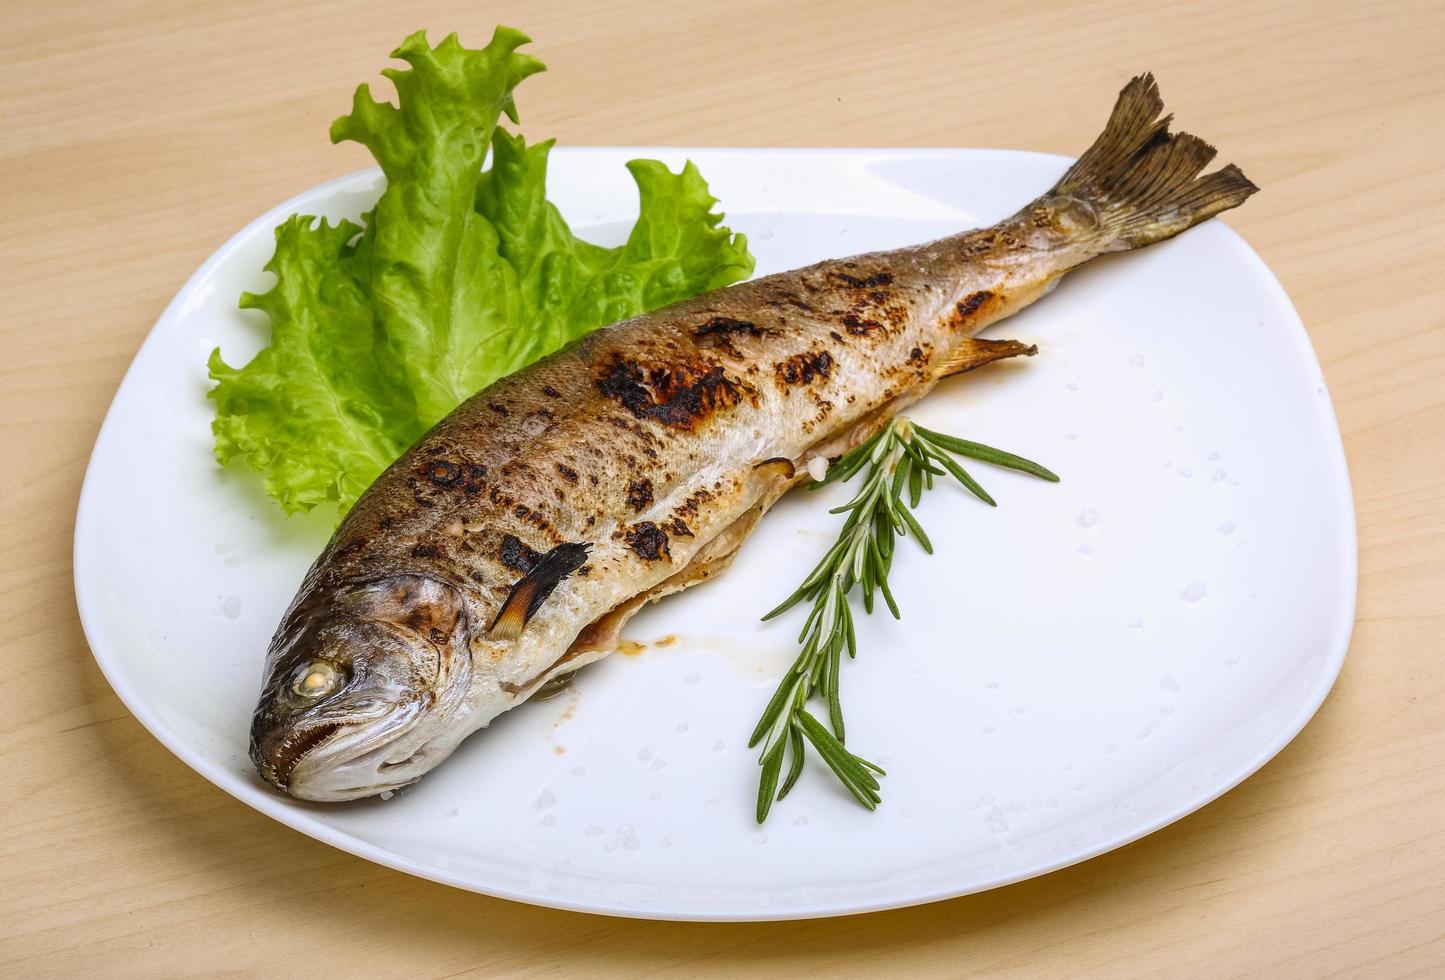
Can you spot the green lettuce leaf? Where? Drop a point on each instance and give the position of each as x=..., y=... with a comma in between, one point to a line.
x=312, y=412
x=458, y=277
x=568, y=287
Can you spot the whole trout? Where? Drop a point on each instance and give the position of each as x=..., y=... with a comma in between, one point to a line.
x=511, y=543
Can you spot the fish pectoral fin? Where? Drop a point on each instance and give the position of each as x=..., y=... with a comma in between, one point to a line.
x=976, y=352
x=533, y=589
x=779, y=466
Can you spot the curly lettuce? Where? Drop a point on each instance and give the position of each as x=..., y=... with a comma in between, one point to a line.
x=459, y=276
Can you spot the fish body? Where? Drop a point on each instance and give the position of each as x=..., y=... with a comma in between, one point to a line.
x=509, y=545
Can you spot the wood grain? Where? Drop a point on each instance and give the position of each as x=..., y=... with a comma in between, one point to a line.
x=136, y=135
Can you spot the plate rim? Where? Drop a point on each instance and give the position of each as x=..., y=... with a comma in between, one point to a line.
x=303, y=821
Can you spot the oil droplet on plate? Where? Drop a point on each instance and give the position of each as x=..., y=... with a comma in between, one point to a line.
x=1136, y=361
x=231, y=606
x=1226, y=528
x=1194, y=591
x=1169, y=684
x=1088, y=517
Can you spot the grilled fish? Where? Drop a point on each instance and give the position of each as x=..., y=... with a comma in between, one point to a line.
x=511, y=543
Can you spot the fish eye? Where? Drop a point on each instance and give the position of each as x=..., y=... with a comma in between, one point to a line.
x=316, y=679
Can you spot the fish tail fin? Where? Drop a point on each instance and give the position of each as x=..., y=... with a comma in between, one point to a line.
x=1143, y=182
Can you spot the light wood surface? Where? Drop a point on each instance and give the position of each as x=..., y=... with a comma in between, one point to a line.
x=137, y=135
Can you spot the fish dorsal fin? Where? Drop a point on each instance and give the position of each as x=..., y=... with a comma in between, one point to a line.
x=974, y=353
x=533, y=589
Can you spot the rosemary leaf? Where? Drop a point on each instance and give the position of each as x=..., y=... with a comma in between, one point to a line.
x=772, y=765
x=898, y=464
x=987, y=454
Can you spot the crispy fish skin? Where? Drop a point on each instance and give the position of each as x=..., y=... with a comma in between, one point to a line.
x=634, y=463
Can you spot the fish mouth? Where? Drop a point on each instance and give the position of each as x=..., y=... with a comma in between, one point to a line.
x=282, y=763
x=337, y=760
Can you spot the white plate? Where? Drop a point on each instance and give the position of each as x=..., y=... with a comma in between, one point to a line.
x=1073, y=670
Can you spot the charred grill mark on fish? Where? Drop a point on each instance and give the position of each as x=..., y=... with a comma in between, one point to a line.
x=872, y=281
x=639, y=495
x=803, y=368
x=444, y=473
x=721, y=331
x=516, y=555
x=648, y=540
x=971, y=303
x=859, y=325
x=681, y=395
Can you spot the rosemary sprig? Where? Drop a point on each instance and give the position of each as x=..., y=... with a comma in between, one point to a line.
x=901, y=462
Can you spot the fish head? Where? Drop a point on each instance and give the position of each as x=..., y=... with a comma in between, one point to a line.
x=362, y=689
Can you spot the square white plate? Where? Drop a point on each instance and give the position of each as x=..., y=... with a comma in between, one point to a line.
x=1073, y=670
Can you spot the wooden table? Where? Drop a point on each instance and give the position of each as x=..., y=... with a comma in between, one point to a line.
x=136, y=135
